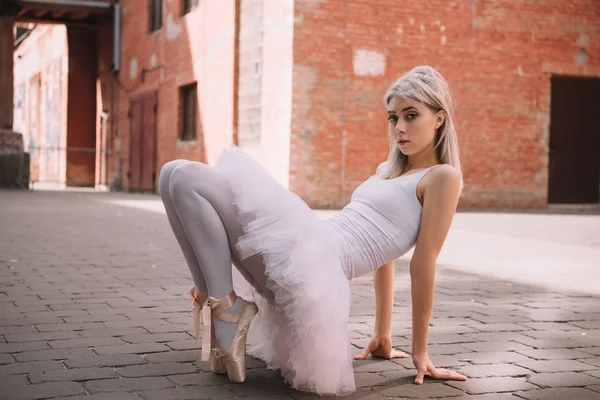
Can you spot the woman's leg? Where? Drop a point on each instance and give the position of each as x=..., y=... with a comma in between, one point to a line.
x=188, y=252
x=205, y=206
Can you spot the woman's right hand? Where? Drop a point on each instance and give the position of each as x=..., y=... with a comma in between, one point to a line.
x=381, y=346
x=425, y=367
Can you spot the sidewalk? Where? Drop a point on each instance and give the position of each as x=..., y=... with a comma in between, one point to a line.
x=93, y=305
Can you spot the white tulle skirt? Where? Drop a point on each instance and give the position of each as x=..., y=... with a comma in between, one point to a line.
x=304, y=331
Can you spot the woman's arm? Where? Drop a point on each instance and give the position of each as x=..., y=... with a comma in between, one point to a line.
x=383, y=280
x=380, y=344
x=440, y=198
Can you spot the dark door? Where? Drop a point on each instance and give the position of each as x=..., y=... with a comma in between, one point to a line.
x=574, y=166
x=142, y=148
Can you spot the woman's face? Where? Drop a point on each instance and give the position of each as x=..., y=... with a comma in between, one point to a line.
x=413, y=125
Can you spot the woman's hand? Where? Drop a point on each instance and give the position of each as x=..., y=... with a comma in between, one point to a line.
x=425, y=367
x=381, y=346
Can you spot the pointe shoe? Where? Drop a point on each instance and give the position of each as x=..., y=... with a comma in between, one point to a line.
x=217, y=362
x=235, y=357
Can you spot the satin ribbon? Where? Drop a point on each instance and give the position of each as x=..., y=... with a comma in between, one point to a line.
x=204, y=313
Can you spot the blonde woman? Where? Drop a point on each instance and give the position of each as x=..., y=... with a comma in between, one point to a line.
x=299, y=266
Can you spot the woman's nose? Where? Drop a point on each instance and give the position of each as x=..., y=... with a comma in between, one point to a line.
x=400, y=127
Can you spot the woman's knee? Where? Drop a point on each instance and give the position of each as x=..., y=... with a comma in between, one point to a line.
x=187, y=177
x=165, y=175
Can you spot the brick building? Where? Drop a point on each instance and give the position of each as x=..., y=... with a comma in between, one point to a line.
x=299, y=85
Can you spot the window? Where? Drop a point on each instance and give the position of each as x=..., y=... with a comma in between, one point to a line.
x=154, y=15
x=188, y=101
x=188, y=5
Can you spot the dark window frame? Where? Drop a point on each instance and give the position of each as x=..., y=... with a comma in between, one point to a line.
x=188, y=115
x=189, y=6
x=155, y=15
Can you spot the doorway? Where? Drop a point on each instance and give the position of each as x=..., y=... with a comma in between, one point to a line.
x=142, y=145
x=574, y=165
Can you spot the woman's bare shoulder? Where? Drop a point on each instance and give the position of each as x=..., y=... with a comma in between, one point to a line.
x=443, y=180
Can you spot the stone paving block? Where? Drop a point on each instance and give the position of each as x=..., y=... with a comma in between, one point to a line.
x=489, y=396
x=13, y=380
x=593, y=361
x=495, y=346
x=9, y=330
x=76, y=326
x=39, y=336
x=168, y=328
x=199, y=379
x=495, y=319
x=29, y=321
x=131, y=349
x=188, y=393
x=127, y=384
x=428, y=390
x=480, y=371
x=111, y=332
x=81, y=306
x=25, y=367
x=59, y=354
x=360, y=394
x=76, y=374
x=374, y=365
x=125, y=324
x=587, y=324
x=105, y=361
x=554, y=354
x=595, y=373
x=591, y=350
x=189, y=344
x=492, y=357
x=21, y=347
x=87, y=342
x=559, y=394
x=58, y=314
x=174, y=356
x=161, y=369
x=499, y=327
x=492, y=385
x=446, y=349
x=556, y=365
x=157, y=337
x=96, y=318
x=104, y=396
x=6, y=359
x=259, y=381
x=551, y=343
x=545, y=326
x=42, y=390
x=369, y=379
x=559, y=379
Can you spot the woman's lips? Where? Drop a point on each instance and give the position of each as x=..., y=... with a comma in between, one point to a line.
x=403, y=142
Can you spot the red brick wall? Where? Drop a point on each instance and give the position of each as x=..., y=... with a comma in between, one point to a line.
x=497, y=56
x=197, y=47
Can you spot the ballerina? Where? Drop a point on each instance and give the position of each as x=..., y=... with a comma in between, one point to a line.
x=298, y=267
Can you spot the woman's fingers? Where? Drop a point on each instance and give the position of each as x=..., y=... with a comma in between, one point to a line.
x=420, y=377
x=398, y=354
x=446, y=374
x=364, y=354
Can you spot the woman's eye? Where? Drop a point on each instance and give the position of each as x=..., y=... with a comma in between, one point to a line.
x=392, y=118
x=411, y=116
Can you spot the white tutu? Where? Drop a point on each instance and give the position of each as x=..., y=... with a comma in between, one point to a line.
x=304, y=332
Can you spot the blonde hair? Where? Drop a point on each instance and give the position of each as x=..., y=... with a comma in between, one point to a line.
x=426, y=85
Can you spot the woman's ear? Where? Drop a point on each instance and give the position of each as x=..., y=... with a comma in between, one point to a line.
x=441, y=117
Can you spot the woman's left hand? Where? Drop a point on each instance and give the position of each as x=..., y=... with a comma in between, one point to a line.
x=381, y=346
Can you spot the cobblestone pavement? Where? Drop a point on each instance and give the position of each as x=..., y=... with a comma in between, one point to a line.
x=93, y=304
